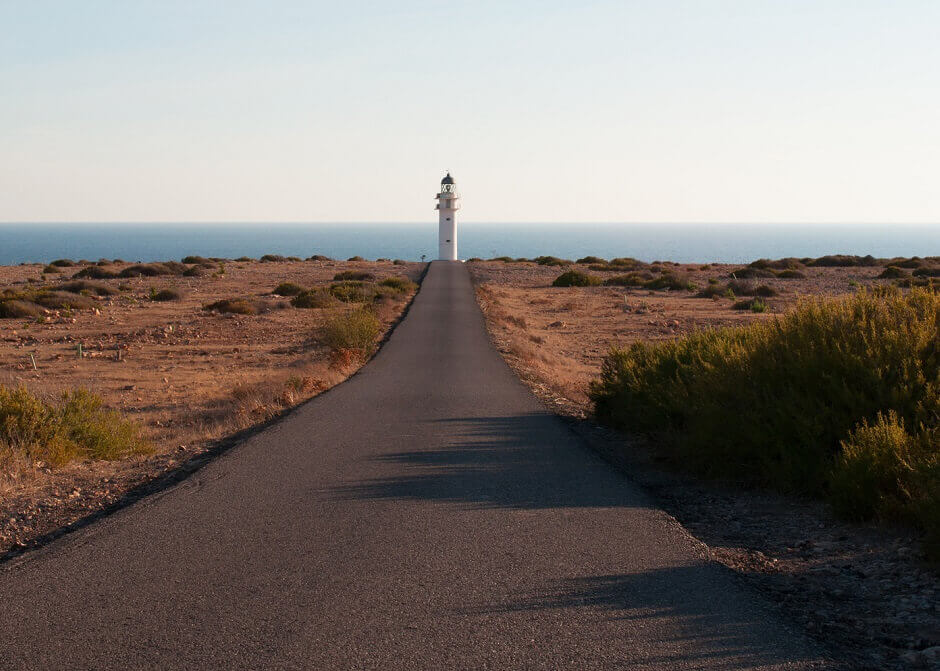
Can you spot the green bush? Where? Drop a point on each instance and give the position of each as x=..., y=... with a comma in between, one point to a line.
x=751, y=273
x=273, y=258
x=288, y=289
x=551, y=261
x=575, y=278
x=669, y=280
x=95, y=273
x=892, y=272
x=628, y=280
x=79, y=427
x=592, y=259
x=63, y=263
x=355, y=330
x=319, y=257
x=399, y=284
x=314, y=298
x=51, y=269
x=776, y=402
x=927, y=272
x=196, y=259
x=790, y=274
x=355, y=258
x=358, y=275
x=353, y=292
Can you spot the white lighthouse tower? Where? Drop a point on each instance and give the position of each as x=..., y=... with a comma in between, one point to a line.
x=447, y=207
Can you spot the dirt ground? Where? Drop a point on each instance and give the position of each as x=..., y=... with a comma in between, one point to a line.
x=861, y=590
x=562, y=334
x=189, y=376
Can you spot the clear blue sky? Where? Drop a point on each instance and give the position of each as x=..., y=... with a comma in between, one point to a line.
x=658, y=110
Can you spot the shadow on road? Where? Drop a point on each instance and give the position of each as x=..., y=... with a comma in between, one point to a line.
x=521, y=461
x=710, y=632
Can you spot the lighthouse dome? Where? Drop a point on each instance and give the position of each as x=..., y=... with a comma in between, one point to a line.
x=447, y=179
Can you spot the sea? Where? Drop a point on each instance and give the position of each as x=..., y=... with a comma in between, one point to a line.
x=681, y=242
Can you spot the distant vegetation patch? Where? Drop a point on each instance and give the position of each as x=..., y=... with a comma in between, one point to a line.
x=237, y=306
x=552, y=261
x=164, y=295
x=575, y=278
x=288, y=289
x=836, y=399
x=353, y=275
x=86, y=287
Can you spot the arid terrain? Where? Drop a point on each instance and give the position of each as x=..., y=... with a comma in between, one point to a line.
x=859, y=588
x=561, y=334
x=189, y=376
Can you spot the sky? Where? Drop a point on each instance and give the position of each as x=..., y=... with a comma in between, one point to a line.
x=547, y=111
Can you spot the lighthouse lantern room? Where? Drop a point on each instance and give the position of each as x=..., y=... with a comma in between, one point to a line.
x=447, y=207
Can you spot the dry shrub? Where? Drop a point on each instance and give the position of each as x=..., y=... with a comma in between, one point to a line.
x=314, y=298
x=353, y=275
x=238, y=306
x=17, y=309
x=288, y=289
x=77, y=427
x=85, y=287
x=810, y=402
x=356, y=330
x=575, y=278
x=95, y=273
x=398, y=284
x=166, y=295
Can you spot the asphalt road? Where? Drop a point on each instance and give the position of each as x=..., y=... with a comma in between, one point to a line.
x=428, y=513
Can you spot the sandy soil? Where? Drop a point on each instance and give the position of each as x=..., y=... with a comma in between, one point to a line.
x=189, y=376
x=560, y=335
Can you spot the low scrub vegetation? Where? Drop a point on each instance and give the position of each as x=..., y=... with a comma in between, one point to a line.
x=837, y=399
x=164, y=295
x=360, y=275
x=552, y=261
x=236, y=306
x=892, y=272
x=575, y=278
x=32, y=302
x=314, y=298
x=356, y=330
x=78, y=426
x=288, y=289
x=87, y=288
x=398, y=284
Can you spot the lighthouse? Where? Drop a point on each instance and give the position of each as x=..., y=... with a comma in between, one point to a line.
x=447, y=207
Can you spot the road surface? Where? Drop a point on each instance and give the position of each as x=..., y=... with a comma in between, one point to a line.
x=428, y=513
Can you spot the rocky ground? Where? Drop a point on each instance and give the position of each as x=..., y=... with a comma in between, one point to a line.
x=860, y=589
x=191, y=377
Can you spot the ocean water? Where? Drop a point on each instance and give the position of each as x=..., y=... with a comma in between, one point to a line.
x=686, y=242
